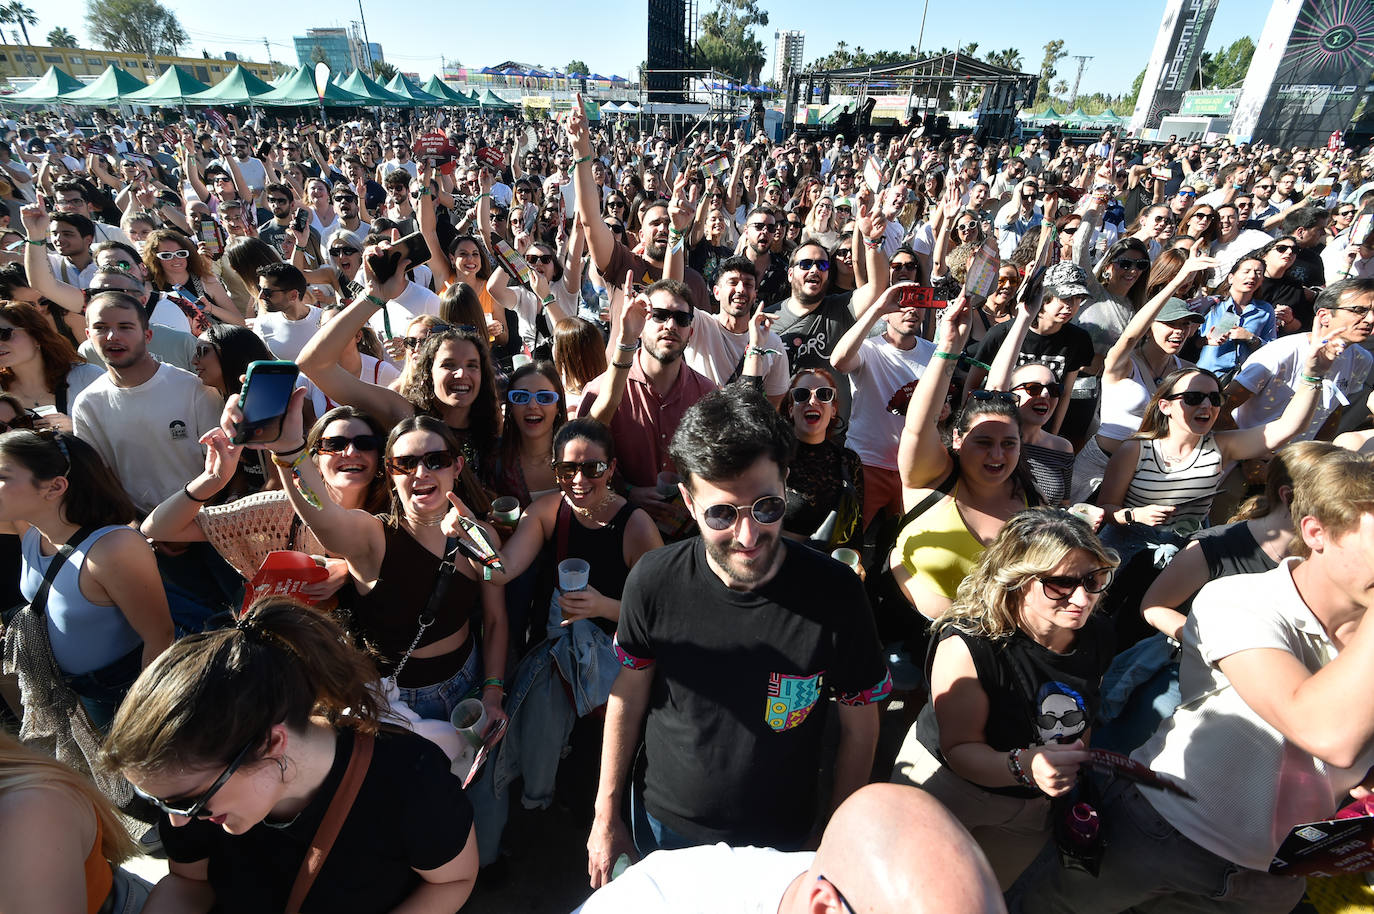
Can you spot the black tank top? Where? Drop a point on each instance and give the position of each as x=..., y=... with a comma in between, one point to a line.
x=601, y=547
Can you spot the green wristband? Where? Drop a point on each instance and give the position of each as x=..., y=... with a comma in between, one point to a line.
x=950, y=356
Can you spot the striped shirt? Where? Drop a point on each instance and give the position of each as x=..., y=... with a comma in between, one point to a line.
x=1189, y=485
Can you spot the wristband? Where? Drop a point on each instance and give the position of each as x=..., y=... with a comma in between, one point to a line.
x=35, y=241
x=623, y=348
x=279, y=457
x=626, y=365
x=1313, y=380
x=673, y=232
x=480, y=196
x=375, y=300
x=873, y=244
x=549, y=300
x=950, y=356
x=186, y=490
x=756, y=350
x=1014, y=766
x=580, y=160
x=494, y=681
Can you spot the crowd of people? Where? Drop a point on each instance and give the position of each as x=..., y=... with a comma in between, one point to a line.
x=634, y=470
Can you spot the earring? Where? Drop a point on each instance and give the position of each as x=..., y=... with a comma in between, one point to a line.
x=281, y=763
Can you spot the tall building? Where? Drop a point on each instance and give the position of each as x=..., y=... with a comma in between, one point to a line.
x=787, y=54
x=672, y=27
x=331, y=45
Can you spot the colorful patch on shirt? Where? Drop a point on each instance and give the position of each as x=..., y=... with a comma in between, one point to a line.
x=869, y=696
x=629, y=661
x=790, y=699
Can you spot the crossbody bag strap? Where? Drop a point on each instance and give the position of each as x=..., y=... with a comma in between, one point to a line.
x=562, y=530
x=332, y=823
x=436, y=598
x=943, y=489
x=64, y=552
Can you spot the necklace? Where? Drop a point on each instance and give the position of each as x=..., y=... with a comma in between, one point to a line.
x=590, y=512
x=418, y=521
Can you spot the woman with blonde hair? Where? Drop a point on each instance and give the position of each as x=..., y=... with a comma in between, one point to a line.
x=61, y=841
x=1014, y=669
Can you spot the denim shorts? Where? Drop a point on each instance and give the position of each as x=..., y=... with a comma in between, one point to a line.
x=436, y=702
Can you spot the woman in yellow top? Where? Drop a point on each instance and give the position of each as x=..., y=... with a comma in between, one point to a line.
x=956, y=499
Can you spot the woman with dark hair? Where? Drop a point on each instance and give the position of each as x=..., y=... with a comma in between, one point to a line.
x=106, y=611
x=417, y=594
x=176, y=267
x=223, y=354
x=1200, y=223
x=1292, y=311
x=579, y=354
x=245, y=256
x=247, y=737
x=534, y=413
x=817, y=473
x=956, y=498
x=451, y=380
x=1237, y=323
x=552, y=295
x=39, y=367
x=1014, y=666
x=1152, y=228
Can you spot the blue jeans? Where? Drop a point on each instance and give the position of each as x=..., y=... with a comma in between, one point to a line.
x=436, y=702
x=128, y=893
x=101, y=690
x=649, y=833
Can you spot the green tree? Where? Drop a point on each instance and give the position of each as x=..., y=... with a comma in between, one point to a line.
x=1228, y=67
x=19, y=14
x=1061, y=88
x=1054, y=52
x=143, y=27
x=61, y=38
x=726, y=40
x=970, y=49
x=1009, y=58
x=383, y=72
x=577, y=66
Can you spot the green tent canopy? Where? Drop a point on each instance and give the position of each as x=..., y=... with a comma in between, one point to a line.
x=1049, y=114
x=403, y=87
x=490, y=99
x=115, y=84
x=238, y=87
x=174, y=87
x=284, y=76
x=52, y=84
x=440, y=89
x=299, y=91
x=359, y=83
x=1077, y=114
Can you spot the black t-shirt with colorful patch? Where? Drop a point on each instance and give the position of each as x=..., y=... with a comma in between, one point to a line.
x=732, y=740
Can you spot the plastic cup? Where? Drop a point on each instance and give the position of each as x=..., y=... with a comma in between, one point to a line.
x=667, y=484
x=572, y=577
x=849, y=557
x=520, y=360
x=506, y=509
x=469, y=718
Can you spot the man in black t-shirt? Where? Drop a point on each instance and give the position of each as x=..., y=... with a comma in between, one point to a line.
x=729, y=642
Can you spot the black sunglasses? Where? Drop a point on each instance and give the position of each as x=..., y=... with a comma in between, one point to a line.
x=567, y=470
x=532, y=259
x=1061, y=587
x=194, y=807
x=807, y=263
x=999, y=395
x=341, y=251
x=337, y=444
x=408, y=464
x=1125, y=264
x=664, y=315
x=6, y=334
x=767, y=510
x=1196, y=397
x=1036, y=388
x=802, y=395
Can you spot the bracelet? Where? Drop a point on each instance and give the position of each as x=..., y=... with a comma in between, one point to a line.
x=580, y=160
x=380, y=303
x=755, y=350
x=185, y=490
x=35, y=241
x=1014, y=765
x=549, y=300
x=1313, y=380
x=494, y=681
x=951, y=356
x=623, y=348
x=292, y=464
x=874, y=245
x=294, y=450
x=480, y=196
x=673, y=232
x=626, y=365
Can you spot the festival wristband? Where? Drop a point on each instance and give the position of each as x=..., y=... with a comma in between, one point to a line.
x=950, y=356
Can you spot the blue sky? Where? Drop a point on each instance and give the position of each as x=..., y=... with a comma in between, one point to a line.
x=1119, y=36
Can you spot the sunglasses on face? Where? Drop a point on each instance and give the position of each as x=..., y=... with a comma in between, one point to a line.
x=808, y=263
x=408, y=464
x=25, y=419
x=542, y=397
x=664, y=315
x=337, y=444
x=998, y=395
x=616, y=227
x=903, y=265
x=1036, y=388
x=6, y=334
x=533, y=259
x=1126, y=264
x=802, y=395
x=1067, y=719
x=342, y=251
x=567, y=470
x=173, y=255
x=204, y=349
x=1061, y=587
x=277, y=201
x=1196, y=397
x=194, y=807
x=768, y=510
x=1283, y=248
x=843, y=254
x=763, y=228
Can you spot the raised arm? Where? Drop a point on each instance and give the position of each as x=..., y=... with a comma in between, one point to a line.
x=1117, y=364
x=426, y=219
x=870, y=228
x=628, y=327
x=1004, y=365
x=600, y=241
x=36, y=265
x=921, y=456
x=844, y=357
x=1245, y=443
x=176, y=520
x=680, y=215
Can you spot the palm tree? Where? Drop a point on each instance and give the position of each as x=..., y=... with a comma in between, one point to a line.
x=17, y=12
x=61, y=38
x=1009, y=58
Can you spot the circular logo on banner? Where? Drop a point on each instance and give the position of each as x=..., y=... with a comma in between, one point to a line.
x=1338, y=38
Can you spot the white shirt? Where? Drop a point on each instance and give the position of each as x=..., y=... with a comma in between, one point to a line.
x=715, y=352
x=1274, y=371
x=254, y=173
x=66, y=271
x=711, y=879
x=285, y=337
x=373, y=371
x=362, y=231
x=403, y=309
x=883, y=370
x=1251, y=784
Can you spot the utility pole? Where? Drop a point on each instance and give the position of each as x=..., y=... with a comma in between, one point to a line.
x=367, y=44
x=1082, y=62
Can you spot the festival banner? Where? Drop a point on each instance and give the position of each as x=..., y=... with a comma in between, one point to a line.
x=1173, y=62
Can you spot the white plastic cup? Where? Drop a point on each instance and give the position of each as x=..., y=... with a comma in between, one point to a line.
x=520, y=360
x=848, y=557
x=506, y=509
x=573, y=574
x=667, y=485
x=469, y=718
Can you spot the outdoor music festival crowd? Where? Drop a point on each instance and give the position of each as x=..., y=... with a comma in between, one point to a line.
x=1072, y=439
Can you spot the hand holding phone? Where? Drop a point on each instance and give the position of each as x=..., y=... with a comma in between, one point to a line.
x=266, y=394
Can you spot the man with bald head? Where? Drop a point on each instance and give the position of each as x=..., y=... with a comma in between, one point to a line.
x=889, y=849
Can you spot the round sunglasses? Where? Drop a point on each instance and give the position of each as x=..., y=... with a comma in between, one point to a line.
x=767, y=510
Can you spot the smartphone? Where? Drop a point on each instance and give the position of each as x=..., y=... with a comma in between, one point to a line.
x=411, y=246
x=920, y=297
x=266, y=393
x=298, y=221
x=208, y=231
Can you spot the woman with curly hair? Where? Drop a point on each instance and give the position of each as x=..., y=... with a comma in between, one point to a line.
x=39, y=367
x=177, y=268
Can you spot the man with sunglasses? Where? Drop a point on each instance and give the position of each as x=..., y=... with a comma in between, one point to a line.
x=729, y=642
x=285, y=321
x=761, y=229
x=277, y=231
x=346, y=215
x=1266, y=382
x=878, y=368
